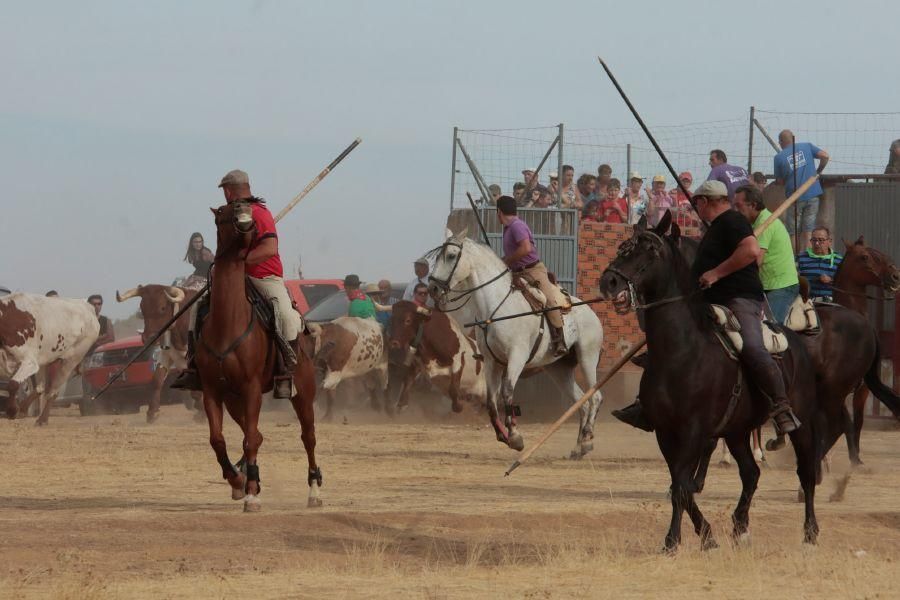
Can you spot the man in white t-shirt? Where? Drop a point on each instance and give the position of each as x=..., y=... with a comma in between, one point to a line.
x=421, y=268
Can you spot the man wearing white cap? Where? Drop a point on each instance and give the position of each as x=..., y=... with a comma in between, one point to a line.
x=421, y=269
x=265, y=270
x=727, y=270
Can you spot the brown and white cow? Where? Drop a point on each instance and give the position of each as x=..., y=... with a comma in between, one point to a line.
x=432, y=343
x=44, y=337
x=351, y=348
x=159, y=303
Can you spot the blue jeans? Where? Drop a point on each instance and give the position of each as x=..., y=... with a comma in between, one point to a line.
x=780, y=301
x=807, y=212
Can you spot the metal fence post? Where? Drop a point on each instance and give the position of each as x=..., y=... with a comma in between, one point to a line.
x=559, y=167
x=627, y=164
x=750, y=141
x=453, y=169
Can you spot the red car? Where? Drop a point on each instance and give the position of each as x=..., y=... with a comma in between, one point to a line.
x=126, y=394
x=135, y=386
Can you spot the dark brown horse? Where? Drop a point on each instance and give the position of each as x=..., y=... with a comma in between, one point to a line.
x=235, y=358
x=690, y=391
x=863, y=266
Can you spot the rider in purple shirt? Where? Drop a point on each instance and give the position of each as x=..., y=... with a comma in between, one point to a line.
x=521, y=256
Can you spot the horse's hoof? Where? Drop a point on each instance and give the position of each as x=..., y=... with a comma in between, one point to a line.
x=576, y=455
x=708, y=543
x=152, y=418
x=516, y=442
x=742, y=540
x=40, y=423
x=314, y=502
x=252, y=504
x=669, y=548
x=811, y=538
x=758, y=455
x=775, y=444
x=586, y=447
x=237, y=494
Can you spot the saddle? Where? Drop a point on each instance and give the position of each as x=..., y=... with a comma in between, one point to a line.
x=728, y=330
x=802, y=317
x=535, y=297
x=263, y=310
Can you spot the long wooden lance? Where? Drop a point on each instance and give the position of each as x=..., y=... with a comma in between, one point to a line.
x=189, y=303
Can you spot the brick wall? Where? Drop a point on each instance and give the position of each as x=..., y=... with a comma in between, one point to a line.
x=597, y=246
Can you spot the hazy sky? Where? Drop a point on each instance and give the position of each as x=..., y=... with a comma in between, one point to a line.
x=119, y=118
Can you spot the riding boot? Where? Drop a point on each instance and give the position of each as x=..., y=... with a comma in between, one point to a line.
x=558, y=343
x=188, y=379
x=783, y=417
x=285, y=361
x=640, y=360
x=633, y=415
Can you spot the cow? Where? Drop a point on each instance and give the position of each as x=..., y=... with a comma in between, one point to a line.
x=159, y=303
x=432, y=343
x=351, y=348
x=45, y=337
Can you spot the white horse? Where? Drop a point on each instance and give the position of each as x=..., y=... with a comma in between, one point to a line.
x=468, y=275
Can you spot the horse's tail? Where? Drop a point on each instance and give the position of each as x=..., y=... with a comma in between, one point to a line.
x=873, y=381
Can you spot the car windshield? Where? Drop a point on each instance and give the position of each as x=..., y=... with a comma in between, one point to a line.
x=317, y=292
x=332, y=307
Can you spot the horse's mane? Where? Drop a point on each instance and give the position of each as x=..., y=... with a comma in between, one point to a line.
x=484, y=252
x=686, y=283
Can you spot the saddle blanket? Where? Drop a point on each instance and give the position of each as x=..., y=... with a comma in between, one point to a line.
x=774, y=341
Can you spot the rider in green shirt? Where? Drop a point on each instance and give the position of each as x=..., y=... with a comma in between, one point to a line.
x=360, y=305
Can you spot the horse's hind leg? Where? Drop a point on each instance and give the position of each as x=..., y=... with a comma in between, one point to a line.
x=304, y=406
x=213, y=408
x=859, y=408
x=565, y=380
x=803, y=440
x=703, y=467
x=743, y=455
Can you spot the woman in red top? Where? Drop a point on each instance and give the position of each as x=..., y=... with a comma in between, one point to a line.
x=614, y=209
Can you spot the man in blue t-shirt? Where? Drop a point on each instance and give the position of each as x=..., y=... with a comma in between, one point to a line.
x=732, y=176
x=800, y=158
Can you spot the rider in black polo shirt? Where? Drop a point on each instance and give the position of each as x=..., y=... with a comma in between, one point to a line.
x=726, y=267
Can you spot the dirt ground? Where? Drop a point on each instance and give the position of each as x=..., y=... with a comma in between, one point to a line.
x=109, y=507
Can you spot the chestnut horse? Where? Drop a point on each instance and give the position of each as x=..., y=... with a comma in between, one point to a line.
x=235, y=356
x=862, y=266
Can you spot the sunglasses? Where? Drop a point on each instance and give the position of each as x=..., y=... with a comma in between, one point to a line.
x=818, y=240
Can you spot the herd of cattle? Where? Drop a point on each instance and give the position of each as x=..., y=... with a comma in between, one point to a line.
x=45, y=339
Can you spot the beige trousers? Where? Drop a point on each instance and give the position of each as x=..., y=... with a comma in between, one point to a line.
x=287, y=319
x=554, y=297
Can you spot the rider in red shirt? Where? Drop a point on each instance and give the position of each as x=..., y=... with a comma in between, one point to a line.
x=265, y=271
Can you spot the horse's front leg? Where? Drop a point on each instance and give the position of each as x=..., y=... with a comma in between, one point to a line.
x=213, y=407
x=253, y=439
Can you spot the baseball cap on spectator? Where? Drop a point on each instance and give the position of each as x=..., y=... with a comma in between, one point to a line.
x=235, y=177
x=711, y=189
x=528, y=170
x=554, y=175
x=636, y=175
x=421, y=261
x=659, y=179
x=685, y=175
x=351, y=281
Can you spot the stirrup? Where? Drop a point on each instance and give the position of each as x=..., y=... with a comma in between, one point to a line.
x=283, y=387
x=784, y=421
x=188, y=379
x=633, y=415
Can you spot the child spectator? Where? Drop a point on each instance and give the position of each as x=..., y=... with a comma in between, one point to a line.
x=614, y=209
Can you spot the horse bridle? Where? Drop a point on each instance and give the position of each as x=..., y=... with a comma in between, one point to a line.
x=444, y=284
x=632, y=291
x=237, y=204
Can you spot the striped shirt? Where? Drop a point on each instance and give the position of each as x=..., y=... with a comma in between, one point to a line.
x=812, y=266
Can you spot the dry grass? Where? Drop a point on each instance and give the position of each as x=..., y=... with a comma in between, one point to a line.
x=108, y=507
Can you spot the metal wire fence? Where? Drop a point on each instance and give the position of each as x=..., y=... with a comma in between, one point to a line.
x=857, y=142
